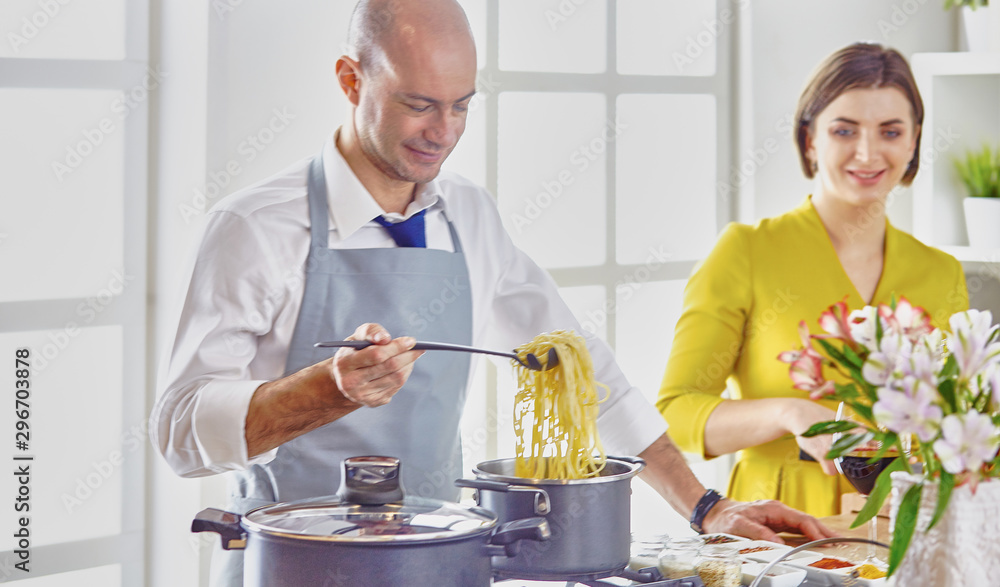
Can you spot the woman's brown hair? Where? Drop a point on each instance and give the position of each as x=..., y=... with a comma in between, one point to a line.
x=857, y=66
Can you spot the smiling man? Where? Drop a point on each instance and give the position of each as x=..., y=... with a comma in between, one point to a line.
x=366, y=238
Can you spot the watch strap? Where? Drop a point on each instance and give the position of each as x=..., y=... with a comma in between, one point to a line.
x=705, y=505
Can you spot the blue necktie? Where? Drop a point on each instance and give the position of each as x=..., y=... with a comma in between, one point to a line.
x=408, y=233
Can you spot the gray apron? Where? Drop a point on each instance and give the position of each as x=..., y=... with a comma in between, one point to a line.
x=418, y=292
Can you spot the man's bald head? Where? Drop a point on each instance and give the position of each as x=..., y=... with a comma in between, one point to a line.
x=379, y=26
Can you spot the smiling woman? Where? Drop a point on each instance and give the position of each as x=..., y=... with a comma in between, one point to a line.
x=858, y=128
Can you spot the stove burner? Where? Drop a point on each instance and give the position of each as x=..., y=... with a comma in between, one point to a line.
x=649, y=576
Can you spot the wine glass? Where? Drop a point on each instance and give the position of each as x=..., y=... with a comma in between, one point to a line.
x=857, y=466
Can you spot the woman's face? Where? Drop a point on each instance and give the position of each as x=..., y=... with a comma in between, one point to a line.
x=862, y=144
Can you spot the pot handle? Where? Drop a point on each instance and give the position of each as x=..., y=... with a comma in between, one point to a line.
x=224, y=523
x=542, y=502
x=631, y=460
x=505, y=540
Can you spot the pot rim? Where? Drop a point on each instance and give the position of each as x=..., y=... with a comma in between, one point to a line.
x=488, y=522
x=633, y=466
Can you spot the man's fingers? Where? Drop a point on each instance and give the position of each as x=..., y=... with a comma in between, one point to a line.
x=371, y=331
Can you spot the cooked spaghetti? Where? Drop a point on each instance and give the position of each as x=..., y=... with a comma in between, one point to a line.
x=558, y=409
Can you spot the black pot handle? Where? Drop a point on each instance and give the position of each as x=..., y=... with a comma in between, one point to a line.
x=224, y=523
x=542, y=503
x=505, y=540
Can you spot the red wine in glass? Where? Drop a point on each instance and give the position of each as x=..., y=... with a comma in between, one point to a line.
x=862, y=473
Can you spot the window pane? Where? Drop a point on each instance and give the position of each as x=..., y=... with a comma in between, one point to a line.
x=669, y=38
x=107, y=576
x=644, y=308
x=75, y=431
x=553, y=35
x=59, y=29
x=665, y=187
x=589, y=307
x=552, y=175
x=64, y=180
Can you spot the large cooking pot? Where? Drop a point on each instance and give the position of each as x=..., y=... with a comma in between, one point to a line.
x=589, y=518
x=369, y=534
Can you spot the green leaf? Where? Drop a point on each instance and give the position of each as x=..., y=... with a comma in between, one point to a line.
x=877, y=497
x=847, y=442
x=864, y=412
x=853, y=357
x=888, y=442
x=947, y=391
x=945, y=486
x=845, y=391
x=906, y=522
x=833, y=352
x=831, y=427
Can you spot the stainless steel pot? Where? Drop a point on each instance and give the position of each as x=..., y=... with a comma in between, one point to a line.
x=589, y=518
x=369, y=534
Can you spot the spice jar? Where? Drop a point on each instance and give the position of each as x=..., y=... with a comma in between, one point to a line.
x=718, y=566
x=645, y=550
x=678, y=558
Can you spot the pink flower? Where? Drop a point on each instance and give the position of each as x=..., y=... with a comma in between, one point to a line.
x=836, y=322
x=806, y=370
x=909, y=320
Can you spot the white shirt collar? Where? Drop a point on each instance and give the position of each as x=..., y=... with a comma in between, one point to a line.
x=352, y=206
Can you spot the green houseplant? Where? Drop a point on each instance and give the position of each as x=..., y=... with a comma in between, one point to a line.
x=979, y=171
x=973, y=4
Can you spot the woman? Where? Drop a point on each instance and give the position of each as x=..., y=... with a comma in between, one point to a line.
x=858, y=135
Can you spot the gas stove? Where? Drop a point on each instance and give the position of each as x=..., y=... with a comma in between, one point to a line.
x=648, y=577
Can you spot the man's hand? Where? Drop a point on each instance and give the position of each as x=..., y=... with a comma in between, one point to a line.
x=371, y=376
x=762, y=520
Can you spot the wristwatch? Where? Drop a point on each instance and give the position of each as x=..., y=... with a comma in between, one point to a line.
x=705, y=505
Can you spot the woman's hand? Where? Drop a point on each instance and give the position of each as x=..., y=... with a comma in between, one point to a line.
x=800, y=414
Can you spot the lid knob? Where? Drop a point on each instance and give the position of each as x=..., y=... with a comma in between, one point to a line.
x=370, y=480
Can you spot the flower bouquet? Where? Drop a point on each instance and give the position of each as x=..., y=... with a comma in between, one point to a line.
x=905, y=378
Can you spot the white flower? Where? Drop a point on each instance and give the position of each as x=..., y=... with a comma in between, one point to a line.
x=891, y=356
x=910, y=411
x=862, y=324
x=927, y=358
x=972, y=342
x=966, y=442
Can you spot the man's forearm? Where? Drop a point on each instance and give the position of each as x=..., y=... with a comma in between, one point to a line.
x=286, y=408
x=668, y=473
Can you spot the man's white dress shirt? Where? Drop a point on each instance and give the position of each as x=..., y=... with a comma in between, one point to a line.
x=243, y=300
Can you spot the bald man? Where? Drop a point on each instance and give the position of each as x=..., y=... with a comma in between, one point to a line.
x=365, y=239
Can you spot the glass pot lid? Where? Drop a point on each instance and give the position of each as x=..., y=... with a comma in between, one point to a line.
x=329, y=519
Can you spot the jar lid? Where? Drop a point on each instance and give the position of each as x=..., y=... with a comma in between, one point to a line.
x=332, y=520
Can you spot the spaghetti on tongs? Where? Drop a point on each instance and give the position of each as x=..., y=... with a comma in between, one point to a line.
x=558, y=409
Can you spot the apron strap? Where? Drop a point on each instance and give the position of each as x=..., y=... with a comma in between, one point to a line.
x=319, y=214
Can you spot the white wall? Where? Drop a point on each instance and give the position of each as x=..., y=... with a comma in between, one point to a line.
x=788, y=40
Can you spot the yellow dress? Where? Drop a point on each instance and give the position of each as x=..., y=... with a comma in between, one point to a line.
x=742, y=307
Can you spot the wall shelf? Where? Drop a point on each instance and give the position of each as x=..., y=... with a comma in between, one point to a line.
x=961, y=93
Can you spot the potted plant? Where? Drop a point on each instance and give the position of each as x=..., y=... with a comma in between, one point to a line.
x=980, y=172
x=975, y=23
x=906, y=380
